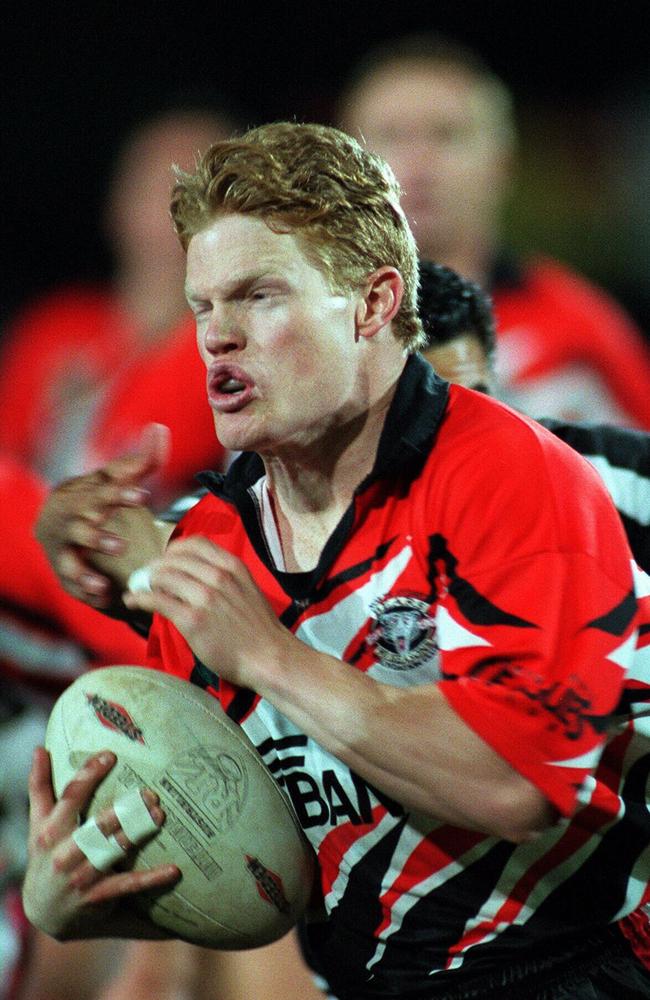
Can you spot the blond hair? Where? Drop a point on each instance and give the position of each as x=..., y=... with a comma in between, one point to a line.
x=339, y=200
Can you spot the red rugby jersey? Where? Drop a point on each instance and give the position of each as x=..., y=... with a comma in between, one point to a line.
x=484, y=554
x=566, y=349
x=47, y=638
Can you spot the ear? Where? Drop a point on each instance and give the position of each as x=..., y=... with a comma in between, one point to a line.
x=379, y=301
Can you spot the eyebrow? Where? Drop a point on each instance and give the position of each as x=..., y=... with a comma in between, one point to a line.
x=235, y=285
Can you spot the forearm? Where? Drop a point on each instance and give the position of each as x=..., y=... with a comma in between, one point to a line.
x=408, y=742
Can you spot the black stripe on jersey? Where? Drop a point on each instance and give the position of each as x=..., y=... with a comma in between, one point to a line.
x=613, y=861
x=285, y=763
x=644, y=629
x=475, y=607
x=439, y=919
x=286, y=742
x=203, y=677
x=355, y=917
x=616, y=621
x=296, y=608
x=29, y=619
x=629, y=697
x=242, y=702
x=638, y=536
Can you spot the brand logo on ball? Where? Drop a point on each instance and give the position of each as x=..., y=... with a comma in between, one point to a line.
x=269, y=884
x=214, y=781
x=403, y=632
x=115, y=717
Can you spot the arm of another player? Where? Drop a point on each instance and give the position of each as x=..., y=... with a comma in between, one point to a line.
x=63, y=894
x=95, y=529
x=433, y=762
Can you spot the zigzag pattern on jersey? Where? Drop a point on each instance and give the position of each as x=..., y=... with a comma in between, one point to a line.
x=388, y=879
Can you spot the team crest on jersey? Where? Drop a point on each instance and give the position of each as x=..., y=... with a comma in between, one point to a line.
x=403, y=632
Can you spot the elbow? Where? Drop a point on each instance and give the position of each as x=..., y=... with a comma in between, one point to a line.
x=520, y=813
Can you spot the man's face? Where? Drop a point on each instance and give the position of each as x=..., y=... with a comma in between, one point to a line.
x=437, y=129
x=463, y=360
x=283, y=368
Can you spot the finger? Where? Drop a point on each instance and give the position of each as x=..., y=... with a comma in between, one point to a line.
x=76, y=795
x=110, y=837
x=79, y=579
x=146, y=600
x=106, y=838
x=41, y=793
x=206, y=550
x=155, y=444
x=94, y=498
x=89, y=534
x=151, y=454
x=128, y=883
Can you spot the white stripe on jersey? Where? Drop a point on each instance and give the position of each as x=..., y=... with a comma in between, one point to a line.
x=355, y=854
x=332, y=631
x=624, y=655
x=406, y=900
x=521, y=861
x=629, y=491
x=641, y=581
x=636, y=885
x=34, y=653
x=587, y=760
x=452, y=635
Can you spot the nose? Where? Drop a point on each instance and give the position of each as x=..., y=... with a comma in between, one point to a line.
x=222, y=335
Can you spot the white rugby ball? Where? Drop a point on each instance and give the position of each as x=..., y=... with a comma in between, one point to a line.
x=247, y=868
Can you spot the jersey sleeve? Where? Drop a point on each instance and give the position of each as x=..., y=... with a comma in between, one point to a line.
x=535, y=614
x=534, y=661
x=30, y=587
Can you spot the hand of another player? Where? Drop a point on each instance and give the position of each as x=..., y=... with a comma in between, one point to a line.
x=63, y=894
x=91, y=543
x=211, y=598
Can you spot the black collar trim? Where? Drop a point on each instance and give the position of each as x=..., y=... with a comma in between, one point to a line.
x=411, y=425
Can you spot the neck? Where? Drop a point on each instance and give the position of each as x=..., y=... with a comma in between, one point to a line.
x=472, y=258
x=312, y=489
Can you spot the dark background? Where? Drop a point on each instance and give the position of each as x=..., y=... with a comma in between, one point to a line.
x=77, y=74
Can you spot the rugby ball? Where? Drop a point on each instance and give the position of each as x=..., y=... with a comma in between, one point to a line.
x=247, y=868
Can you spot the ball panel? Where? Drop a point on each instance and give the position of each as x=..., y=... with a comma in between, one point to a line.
x=247, y=868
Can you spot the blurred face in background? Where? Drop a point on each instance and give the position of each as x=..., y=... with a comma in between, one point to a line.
x=442, y=134
x=463, y=360
x=137, y=215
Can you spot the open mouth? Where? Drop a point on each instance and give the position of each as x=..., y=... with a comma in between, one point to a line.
x=229, y=387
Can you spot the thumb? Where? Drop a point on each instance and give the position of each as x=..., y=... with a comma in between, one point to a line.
x=150, y=456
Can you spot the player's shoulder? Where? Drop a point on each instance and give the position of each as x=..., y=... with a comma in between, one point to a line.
x=491, y=459
x=556, y=281
x=66, y=304
x=206, y=514
x=485, y=426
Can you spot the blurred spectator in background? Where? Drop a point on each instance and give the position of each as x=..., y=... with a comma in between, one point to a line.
x=47, y=638
x=63, y=354
x=445, y=123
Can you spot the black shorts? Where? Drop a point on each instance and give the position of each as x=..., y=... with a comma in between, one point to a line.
x=602, y=967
